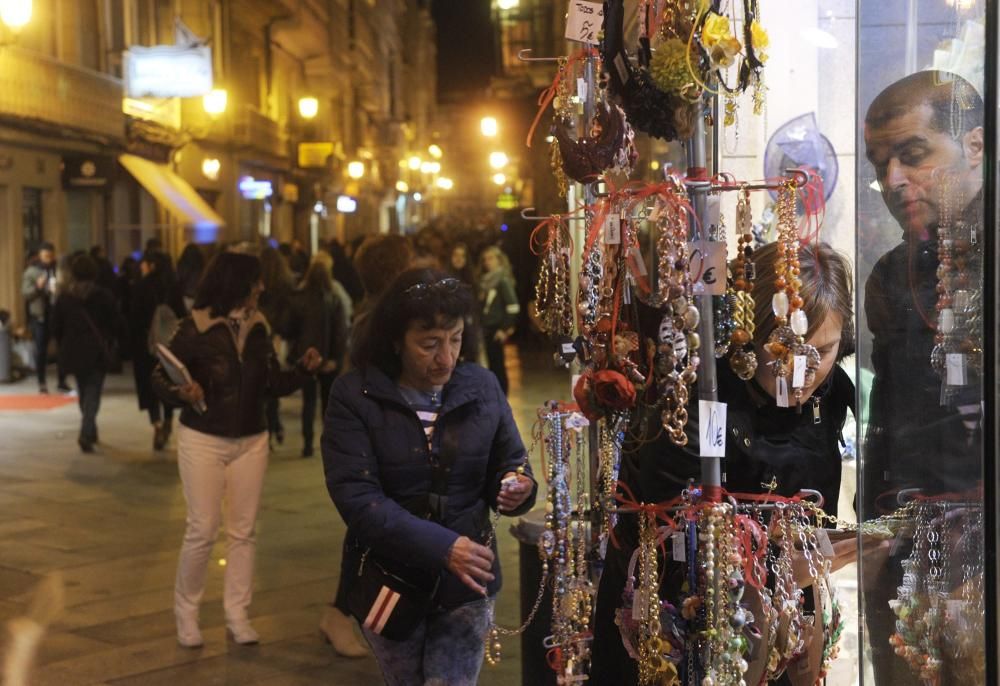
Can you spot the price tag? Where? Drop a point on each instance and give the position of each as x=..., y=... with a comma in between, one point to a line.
x=612, y=229
x=712, y=428
x=679, y=549
x=781, y=392
x=799, y=371
x=823, y=543
x=955, y=369
x=581, y=89
x=708, y=261
x=584, y=21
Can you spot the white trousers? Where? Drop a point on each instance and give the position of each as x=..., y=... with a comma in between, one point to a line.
x=214, y=469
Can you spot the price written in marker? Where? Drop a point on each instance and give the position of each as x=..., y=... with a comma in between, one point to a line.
x=612, y=229
x=584, y=21
x=708, y=262
x=712, y=428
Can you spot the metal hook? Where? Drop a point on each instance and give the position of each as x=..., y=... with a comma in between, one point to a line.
x=816, y=495
x=523, y=55
x=803, y=176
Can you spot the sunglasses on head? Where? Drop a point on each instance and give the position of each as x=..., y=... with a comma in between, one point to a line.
x=422, y=290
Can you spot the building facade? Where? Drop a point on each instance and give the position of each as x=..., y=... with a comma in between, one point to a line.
x=82, y=164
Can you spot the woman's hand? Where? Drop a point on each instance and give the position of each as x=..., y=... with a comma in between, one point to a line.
x=311, y=360
x=191, y=393
x=514, y=490
x=472, y=563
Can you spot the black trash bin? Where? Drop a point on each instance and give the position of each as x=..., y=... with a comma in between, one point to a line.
x=535, y=670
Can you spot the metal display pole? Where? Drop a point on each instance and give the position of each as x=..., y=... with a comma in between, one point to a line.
x=711, y=467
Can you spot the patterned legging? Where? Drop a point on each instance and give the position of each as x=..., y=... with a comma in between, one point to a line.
x=445, y=650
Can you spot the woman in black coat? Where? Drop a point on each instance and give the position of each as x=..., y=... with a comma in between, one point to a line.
x=158, y=286
x=765, y=443
x=87, y=324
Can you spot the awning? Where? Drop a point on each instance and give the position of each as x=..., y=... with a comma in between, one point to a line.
x=173, y=192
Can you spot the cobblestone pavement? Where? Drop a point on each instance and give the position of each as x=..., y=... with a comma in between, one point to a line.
x=111, y=523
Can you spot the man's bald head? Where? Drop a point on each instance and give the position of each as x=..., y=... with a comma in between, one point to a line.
x=953, y=101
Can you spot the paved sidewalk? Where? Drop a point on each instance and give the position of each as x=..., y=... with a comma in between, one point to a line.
x=112, y=523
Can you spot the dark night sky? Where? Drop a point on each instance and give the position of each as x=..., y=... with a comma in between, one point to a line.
x=465, y=46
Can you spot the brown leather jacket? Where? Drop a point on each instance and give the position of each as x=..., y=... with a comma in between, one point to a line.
x=237, y=371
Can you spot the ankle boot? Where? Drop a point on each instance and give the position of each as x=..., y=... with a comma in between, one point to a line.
x=337, y=629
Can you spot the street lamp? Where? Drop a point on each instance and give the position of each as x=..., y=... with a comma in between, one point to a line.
x=435, y=151
x=506, y=5
x=210, y=167
x=414, y=163
x=15, y=13
x=402, y=187
x=498, y=160
x=214, y=102
x=444, y=183
x=499, y=179
x=489, y=127
x=356, y=169
x=308, y=107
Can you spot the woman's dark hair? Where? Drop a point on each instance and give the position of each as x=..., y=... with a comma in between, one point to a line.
x=83, y=268
x=227, y=283
x=428, y=296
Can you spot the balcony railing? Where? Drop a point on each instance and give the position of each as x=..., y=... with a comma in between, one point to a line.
x=38, y=88
x=255, y=130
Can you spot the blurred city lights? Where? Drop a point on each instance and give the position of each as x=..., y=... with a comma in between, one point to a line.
x=489, y=126
x=308, y=107
x=498, y=160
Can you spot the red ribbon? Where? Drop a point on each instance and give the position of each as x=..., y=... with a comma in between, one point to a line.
x=546, y=97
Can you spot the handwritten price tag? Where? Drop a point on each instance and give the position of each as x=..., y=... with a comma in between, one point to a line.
x=612, y=229
x=708, y=263
x=712, y=428
x=584, y=21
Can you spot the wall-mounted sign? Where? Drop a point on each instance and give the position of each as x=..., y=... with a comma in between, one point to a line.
x=167, y=71
x=253, y=189
x=290, y=192
x=312, y=155
x=79, y=171
x=347, y=204
x=506, y=201
x=164, y=111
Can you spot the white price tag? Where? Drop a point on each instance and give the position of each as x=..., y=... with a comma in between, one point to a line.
x=955, y=369
x=679, y=549
x=568, y=349
x=584, y=21
x=708, y=263
x=712, y=428
x=823, y=543
x=581, y=89
x=781, y=392
x=612, y=229
x=799, y=371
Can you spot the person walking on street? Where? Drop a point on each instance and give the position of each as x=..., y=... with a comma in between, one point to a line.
x=87, y=325
x=38, y=287
x=155, y=308
x=322, y=324
x=418, y=448
x=499, y=308
x=222, y=449
x=275, y=305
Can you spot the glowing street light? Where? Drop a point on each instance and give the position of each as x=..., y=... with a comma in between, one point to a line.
x=214, y=102
x=499, y=179
x=356, y=169
x=506, y=5
x=414, y=163
x=308, y=107
x=498, y=160
x=444, y=183
x=210, y=167
x=402, y=187
x=489, y=127
x=435, y=151
x=430, y=167
x=15, y=13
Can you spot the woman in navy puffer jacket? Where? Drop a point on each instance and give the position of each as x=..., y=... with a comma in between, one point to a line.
x=417, y=450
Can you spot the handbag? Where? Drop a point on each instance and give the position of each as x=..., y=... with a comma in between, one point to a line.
x=390, y=599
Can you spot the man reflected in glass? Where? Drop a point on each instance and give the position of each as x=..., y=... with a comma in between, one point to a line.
x=923, y=303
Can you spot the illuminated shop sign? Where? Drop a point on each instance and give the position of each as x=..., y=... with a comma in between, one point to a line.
x=347, y=204
x=168, y=71
x=252, y=189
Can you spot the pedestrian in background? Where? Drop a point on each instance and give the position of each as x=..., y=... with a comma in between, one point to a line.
x=275, y=305
x=38, y=287
x=222, y=451
x=88, y=327
x=321, y=323
x=156, y=307
x=190, y=267
x=499, y=308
